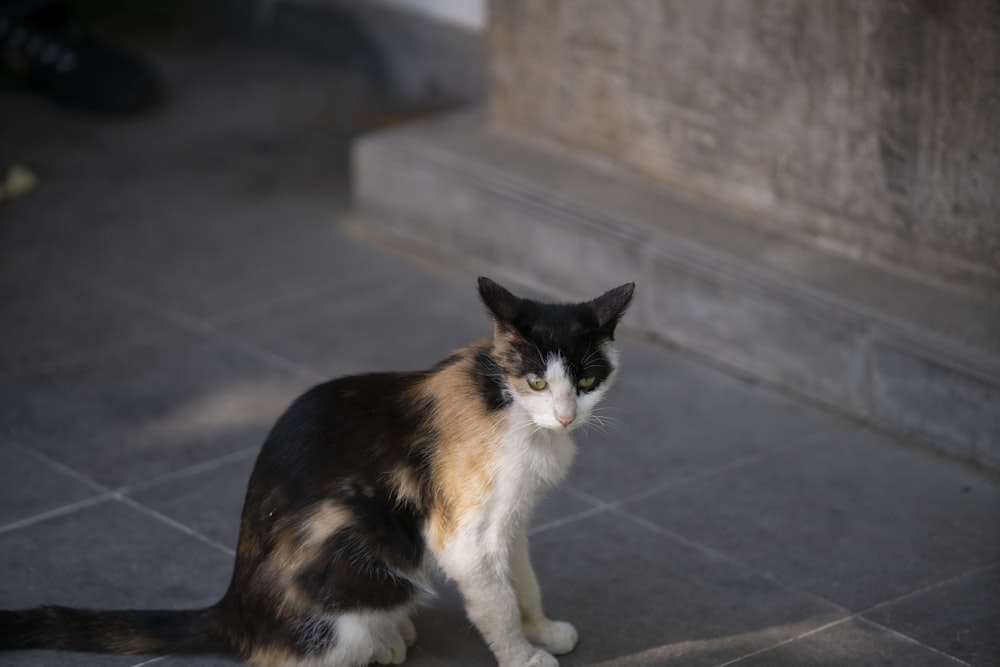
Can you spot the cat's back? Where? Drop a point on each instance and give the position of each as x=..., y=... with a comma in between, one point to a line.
x=352, y=411
x=388, y=433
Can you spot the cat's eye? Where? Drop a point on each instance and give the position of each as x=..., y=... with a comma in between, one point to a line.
x=538, y=384
x=586, y=382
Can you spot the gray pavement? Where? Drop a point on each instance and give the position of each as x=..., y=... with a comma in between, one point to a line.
x=176, y=280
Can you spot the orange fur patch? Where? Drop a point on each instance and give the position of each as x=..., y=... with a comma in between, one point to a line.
x=406, y=484
x=299, y=546
x=272, y=656
x=465, y=456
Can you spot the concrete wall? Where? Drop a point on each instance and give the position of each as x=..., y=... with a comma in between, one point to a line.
x=872, y=126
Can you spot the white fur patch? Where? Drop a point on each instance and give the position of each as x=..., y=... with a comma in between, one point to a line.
x=534, y=452
x=364, y=638
x=559, y=407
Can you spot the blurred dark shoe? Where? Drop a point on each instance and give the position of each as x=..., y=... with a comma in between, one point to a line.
x=43, y=51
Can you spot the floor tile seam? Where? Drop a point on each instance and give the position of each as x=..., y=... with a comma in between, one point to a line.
x=710, y=551
x=173, y=523
x=712, y=471
x=102, y=351
x=57, y=512
x=652, y=526
x=188, y=472
x=59, y=466
x=264, y=306
x=911, y=640
x=928, y=588
x=788, y=640
x=114, y=493
x=566, y=520
x=203, y=327
x=732, y=561
x=70, y=360
x=153, y=661
x=697, y=476
x=826, y=626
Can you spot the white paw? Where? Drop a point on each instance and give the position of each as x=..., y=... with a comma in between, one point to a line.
x=541, y=658
x=557, y=637
x=393, y=652
x=408, y=632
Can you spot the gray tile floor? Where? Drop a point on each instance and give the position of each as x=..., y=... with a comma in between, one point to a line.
x=175, y=281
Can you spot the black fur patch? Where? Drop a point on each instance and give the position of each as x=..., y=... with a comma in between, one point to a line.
x=567, y=331
x=350, y=576
x=574, y=332
x=488, y=376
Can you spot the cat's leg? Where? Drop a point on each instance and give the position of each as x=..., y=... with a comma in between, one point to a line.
x=491, y=603
x=557, y=637
x=368, y=637
x=408, y=632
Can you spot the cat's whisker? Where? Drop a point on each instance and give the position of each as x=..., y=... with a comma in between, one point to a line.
x=608, y=420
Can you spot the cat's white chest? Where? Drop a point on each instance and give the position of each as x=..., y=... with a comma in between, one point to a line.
x=527, y=466
x=530, y=461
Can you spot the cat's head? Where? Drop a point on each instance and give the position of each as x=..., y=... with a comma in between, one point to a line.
x=557, y=360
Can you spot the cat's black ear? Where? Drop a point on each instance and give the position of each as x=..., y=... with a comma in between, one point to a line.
x=502, y=304
x=610, y=306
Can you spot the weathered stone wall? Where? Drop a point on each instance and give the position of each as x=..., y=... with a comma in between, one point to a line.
x=870, y=125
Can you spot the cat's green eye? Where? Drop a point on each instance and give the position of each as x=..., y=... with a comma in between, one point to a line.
x=586, y=382
x=538, y=385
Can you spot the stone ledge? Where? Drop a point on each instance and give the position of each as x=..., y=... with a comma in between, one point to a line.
x=918, y=359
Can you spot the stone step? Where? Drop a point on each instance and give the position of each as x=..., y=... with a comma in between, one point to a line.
x=915, y=358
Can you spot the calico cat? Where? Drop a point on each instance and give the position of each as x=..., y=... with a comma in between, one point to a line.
x=367, y=485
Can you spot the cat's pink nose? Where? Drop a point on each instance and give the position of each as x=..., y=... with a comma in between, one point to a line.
x=565, y=420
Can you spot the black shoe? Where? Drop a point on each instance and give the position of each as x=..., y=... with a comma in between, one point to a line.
x=43, y=52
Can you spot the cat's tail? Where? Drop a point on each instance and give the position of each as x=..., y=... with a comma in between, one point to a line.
x=123, y=632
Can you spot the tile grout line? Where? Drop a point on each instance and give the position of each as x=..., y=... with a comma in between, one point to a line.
x=840, y=621
x=670, y=484
x=264, y=306
x=718, y=555
x=174, y=475
x=851, y=615
x=57, y=512
x=114, y=495
x=616, y=507
x=912, y=640
x=188, y=471
x=930, y=587
x=258, y=308
x=568, y=519
x=72, y=359
x=173, y=523
x=59, y=466
x=203, y=327
x=677, y=482
x=789, y=640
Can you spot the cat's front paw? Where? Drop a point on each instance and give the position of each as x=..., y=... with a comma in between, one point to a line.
x=542, y=658
x=556, y=637
x=408, y=632
x=392, y=652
